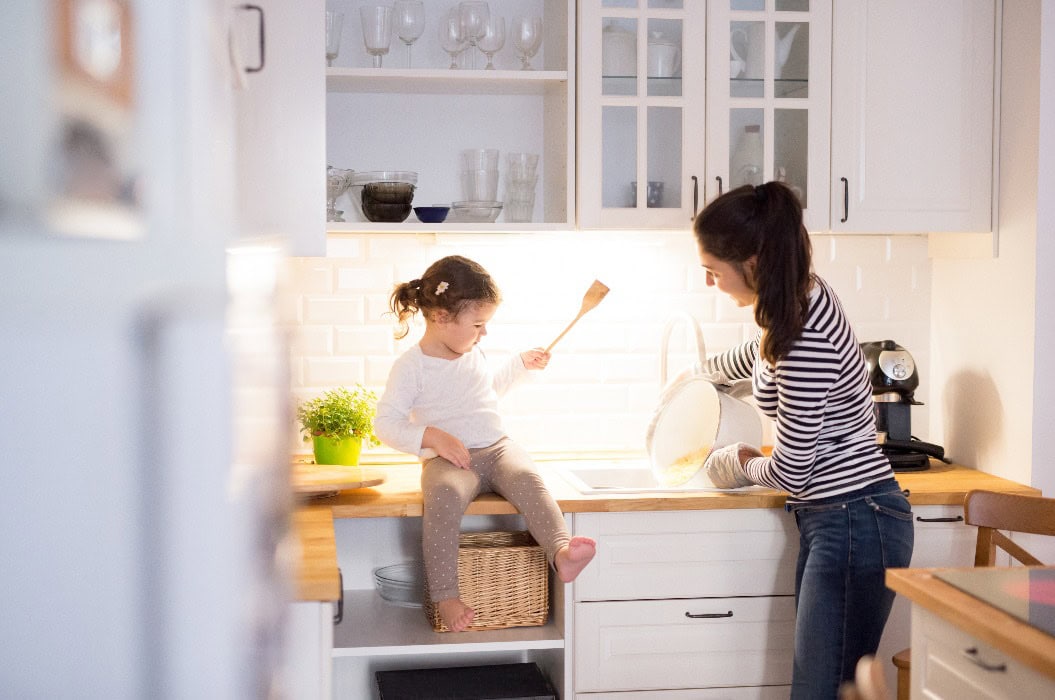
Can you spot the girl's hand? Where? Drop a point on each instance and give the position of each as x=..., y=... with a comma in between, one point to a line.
x=446, y=446
x=536, y=358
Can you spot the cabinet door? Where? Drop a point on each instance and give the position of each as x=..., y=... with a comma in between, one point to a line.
x=641, y=112
x=768, y=98
x=912, y=116
x=282, y=124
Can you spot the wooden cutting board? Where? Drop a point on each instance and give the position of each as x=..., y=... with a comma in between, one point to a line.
x=313, y=480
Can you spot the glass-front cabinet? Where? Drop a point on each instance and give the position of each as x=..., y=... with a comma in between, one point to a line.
x=768, y=98
x=641, y=112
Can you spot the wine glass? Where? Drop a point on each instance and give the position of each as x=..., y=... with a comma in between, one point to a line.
x=474, y=15
x=493, y=39
x=527, y=38
x=452, y=40
x=334, y=20
x=377, y=30
x=410, y=22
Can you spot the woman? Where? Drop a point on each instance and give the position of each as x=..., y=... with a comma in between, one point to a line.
x=808, y=375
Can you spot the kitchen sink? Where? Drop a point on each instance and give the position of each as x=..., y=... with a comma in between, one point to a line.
x=601, y=477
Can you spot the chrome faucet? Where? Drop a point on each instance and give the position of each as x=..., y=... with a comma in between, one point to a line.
x=664, y=345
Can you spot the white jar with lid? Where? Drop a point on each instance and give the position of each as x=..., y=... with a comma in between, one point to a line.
x=618, y=51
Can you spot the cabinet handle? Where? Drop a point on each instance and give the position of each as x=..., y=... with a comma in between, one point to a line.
x=260, y=11
x=339, y=615
x=846, y=200
x=957, y=519
x=702, y=616
x=695, y=196
x=971, y=654
x=719, y=179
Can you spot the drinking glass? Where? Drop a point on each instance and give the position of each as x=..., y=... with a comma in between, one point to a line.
x=493, y=39
x=452, y=40
x=377, y=30
x=527, y=38
x=334, y=20
x=410, y=22
x=474, y=15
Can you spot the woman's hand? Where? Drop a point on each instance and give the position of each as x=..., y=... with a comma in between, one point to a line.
x=725, y=466
x=446, y=446
x=536, y=358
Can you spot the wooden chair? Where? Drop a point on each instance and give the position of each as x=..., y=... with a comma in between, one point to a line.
x=992, y=513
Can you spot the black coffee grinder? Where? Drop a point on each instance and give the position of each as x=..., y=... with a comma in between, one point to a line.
x=892, y=372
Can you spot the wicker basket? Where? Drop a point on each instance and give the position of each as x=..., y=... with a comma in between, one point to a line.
x=503, y=577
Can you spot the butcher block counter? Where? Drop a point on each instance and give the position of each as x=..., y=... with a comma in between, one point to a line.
x=400, y=496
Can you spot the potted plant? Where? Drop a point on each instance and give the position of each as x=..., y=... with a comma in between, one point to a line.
x=338, y=423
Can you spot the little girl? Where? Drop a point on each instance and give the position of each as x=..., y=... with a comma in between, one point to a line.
x=441, y=404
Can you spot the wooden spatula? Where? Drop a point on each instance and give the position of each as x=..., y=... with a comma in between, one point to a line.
x=590, y=300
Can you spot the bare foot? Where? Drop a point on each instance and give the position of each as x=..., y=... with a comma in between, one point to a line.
x=455, y=614
x=573, y=559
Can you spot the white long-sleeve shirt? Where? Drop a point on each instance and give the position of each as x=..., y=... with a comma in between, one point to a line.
x=458, y=396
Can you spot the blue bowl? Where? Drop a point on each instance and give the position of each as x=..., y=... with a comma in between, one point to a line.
x=431, y=215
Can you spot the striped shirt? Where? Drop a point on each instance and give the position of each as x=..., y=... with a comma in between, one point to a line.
x=820, y=399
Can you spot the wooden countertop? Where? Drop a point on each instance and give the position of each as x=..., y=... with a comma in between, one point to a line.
x=1021, y=641
x=400, y=496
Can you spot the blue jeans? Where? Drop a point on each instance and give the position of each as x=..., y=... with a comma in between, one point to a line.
x=845, y=545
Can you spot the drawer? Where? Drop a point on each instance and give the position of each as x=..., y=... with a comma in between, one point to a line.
x=688, y=554
x=954, y=665
x=654, y=644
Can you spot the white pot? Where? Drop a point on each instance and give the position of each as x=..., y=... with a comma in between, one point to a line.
x=664, y=57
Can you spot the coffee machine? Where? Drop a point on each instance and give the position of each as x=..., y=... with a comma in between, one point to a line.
x=892, y=372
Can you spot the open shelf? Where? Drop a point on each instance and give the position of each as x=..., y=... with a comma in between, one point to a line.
x=443, y=81
x=375, y=627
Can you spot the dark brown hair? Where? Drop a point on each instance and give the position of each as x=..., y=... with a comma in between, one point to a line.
x=450, y=284
x=766, y=221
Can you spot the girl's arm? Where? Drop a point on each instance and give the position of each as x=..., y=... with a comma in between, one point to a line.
x=392, y=423
x=512, y=371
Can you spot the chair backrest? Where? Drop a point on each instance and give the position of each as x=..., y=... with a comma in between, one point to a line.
x=992, y=512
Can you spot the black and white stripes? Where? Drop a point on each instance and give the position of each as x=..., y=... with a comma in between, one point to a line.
x=820, y=398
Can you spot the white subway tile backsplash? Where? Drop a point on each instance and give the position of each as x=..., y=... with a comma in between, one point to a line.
x=602, y=385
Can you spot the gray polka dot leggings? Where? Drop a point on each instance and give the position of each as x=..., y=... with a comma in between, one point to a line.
x=505, y=468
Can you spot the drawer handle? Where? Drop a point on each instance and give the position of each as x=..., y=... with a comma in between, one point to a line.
x=957, y=519
x=708, y=616
x=971, y=654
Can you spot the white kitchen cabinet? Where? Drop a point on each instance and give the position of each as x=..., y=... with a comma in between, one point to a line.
x=376, y=635
x=913, y=115
x=308, y=647
x=941, y=540
x=951, y=664
x=768, y=98
x=420, y=118
x=685, y=600
x=640, y=120
x=281, y=119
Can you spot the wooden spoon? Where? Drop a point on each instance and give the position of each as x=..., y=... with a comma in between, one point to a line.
x=590, y=300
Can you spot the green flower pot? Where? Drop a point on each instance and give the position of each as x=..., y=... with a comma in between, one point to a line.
x=331, y=451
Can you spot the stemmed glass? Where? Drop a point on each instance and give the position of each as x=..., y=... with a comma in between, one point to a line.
x=474, y=15
x=377, y=30
x=493, y=39
x=527, y=38
x=334, y=20
x=410, y=22
x=452, y=40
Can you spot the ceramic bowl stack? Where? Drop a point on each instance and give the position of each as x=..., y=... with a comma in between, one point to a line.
x=521, y=178
x=479, y=186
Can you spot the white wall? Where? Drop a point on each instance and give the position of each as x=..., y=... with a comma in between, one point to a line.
x=982, y=319
x=603, y=383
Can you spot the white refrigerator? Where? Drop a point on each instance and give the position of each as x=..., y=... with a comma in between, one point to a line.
x=144, y=495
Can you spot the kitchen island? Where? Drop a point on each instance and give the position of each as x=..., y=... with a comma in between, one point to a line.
x=655, y=549
x=995, y=641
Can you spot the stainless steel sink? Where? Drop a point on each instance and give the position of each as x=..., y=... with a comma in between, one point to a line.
x=602, y=477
